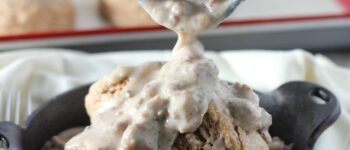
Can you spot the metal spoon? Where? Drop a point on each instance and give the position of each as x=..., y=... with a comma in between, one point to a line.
x=189, y=16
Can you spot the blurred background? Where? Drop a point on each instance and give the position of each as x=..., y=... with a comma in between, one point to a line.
x=319, y=26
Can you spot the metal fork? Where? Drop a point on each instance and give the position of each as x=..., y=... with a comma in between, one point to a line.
x=14, y=107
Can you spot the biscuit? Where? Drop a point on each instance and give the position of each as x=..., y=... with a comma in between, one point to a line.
x=216, y=131
x=18, y=16
x=102, y=90
x=217, y=128
x=125, y=13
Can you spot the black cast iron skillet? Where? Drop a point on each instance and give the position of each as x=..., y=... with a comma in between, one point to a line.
x=297, y=118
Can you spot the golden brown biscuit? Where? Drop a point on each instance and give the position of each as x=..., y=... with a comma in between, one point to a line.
x=125, y=13
x=218, y=131
x=35, y=15
x=102, y=90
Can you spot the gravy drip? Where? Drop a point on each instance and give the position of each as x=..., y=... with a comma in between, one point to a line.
x=162, y=100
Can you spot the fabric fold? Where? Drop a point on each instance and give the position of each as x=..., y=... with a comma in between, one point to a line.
x=48, y=72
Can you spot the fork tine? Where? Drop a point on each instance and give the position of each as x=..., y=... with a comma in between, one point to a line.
x=2, y=107
x=28, y=105
x=17, y=107
x=12, y=108
x=8, y=101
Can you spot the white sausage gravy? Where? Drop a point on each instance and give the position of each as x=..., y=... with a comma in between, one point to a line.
x=161, y=100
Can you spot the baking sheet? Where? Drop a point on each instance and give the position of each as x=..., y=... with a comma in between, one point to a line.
x=88, y=13
x=255, y=18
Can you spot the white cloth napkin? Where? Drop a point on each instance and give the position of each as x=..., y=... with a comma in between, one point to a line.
x=48, y=72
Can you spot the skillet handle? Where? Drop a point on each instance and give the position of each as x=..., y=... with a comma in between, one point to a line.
x=301, y=111
x=11, y=135
x=331, y=106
